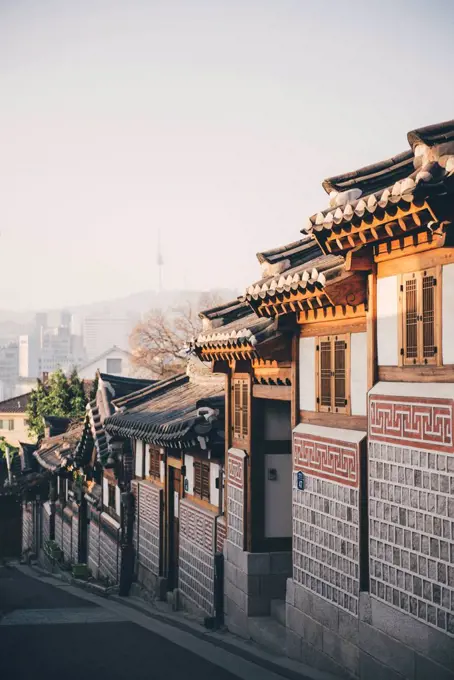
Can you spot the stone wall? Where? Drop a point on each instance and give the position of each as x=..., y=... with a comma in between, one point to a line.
x=147, y=531
x=411, y=469
x=67, y=535
x=46, y=519
x=109, y=549
x=59, y=527
x=251, y=581
x=326, y=513
x=93, y=542
x=236, y=494
x=75, y=537
x=28, y=542
x=196, y=556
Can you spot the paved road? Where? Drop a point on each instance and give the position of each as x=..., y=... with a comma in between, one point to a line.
x=52, y=630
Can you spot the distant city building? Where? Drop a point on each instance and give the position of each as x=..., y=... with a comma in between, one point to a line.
x=9, y=369
x=115, y=361
x=100, y=332
x=50, y=347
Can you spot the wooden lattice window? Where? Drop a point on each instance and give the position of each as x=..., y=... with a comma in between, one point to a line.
x=420, y=317
x=155, y=464
x=111, y=496
x=202, y=480
x=333, y=368
x=240, y=407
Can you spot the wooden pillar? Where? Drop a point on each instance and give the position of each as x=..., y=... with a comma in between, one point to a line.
x=294, y=404
x=371, y=318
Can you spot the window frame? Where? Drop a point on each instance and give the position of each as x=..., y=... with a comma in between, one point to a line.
x=109, y=359
x=332, y=339
x=154, y=468
x=240, y=409
x=111, y=492
x=418, y=276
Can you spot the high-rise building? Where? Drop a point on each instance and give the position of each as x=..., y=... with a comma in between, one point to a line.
x=102, y=332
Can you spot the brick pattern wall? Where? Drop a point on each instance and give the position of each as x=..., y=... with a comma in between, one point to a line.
x=46, y=523
x=235, y=497
x=196, y=557
x=221, y=533
x=326, y=519
x=148, y=520
x=27, y=527
x=75, y=537
x=109, y=552
x=67, y=536
x=411, y=511
x=93, y=543
x=59, y=529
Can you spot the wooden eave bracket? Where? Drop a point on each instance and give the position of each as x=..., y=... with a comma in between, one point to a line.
x=360, y=259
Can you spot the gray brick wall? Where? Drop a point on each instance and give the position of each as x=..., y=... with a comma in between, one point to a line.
x=236, y=479
x=59, y=530
x=75, y=538
x=108, y=552
x=27, y=527
x=412, y=531
x=93, y=544
x=67, y=536
x=147, y=525
x=196, y=558
x=46, y=522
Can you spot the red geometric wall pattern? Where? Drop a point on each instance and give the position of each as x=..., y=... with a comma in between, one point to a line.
x=236, y=471
x=416, y=422
x=326, y=458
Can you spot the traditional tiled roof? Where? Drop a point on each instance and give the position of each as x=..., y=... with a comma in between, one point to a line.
x=122, y=386
x=176, y=417
x=394, y=192
x=15, y=404
x=237, y=330
x=56, y=452
x=157, y=389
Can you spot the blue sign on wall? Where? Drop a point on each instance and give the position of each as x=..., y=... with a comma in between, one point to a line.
x=300, y=480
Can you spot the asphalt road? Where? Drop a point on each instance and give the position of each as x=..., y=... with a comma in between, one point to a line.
x=51, y=630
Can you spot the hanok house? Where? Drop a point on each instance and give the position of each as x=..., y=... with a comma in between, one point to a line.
x=100, y=505
x=371, y=587
x=173, y=433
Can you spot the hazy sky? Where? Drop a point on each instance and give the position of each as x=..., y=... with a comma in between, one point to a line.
x=214, y=120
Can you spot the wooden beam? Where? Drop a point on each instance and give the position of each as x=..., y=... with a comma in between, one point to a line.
x=342, y=325
x=415, y=261
x=279, y=392
x=340, y=420
x=424, y=374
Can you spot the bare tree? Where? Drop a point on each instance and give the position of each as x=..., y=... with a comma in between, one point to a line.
x=158, y=341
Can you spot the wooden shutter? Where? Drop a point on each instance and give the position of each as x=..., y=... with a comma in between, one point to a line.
x=205, y=482
x=428, y=316
x=410, y=318
x=155, y=464
x=325, y=371
x=419, y=317
x=340, y=373
x=333, y=374
x=244, y=409
x=197, y=478
x=237, y=408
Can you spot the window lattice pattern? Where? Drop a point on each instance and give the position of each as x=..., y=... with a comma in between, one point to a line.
x=412, y=532
x=326, y=541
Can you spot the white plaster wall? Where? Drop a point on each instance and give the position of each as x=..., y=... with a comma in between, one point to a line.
x=307, y=374
x=139, y=459
x=447, y=315
x=278, y=496
x=189, y=462
x=387, y=321
x=89, y=370
x=147, y=460
x=105, y=492
x=358, y=361
x=214, y=474
x=118, y=501
x=162, y=471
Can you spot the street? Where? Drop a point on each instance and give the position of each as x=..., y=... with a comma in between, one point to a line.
x=44, y=632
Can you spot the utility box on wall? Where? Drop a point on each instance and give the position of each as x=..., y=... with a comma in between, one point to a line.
x=278, y=495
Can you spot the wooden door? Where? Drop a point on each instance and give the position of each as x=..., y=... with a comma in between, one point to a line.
x=174, y=512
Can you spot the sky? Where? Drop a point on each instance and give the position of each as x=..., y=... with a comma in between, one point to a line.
x=212, y=122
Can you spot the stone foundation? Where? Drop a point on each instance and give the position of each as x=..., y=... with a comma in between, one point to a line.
x=251, y=581
x=380, y=644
